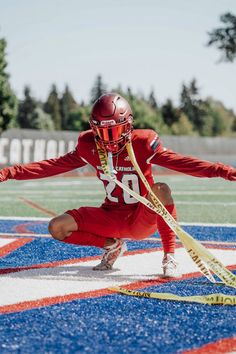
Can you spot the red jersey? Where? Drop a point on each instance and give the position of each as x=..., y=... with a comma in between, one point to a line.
x=148, y=150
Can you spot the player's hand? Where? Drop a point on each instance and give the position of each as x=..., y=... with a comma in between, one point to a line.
x=232, y=175
x=1, y=177
x=4, y=174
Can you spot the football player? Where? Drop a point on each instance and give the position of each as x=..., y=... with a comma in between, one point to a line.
x=121, y=215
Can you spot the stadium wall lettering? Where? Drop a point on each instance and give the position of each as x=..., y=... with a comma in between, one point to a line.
x=26, y=145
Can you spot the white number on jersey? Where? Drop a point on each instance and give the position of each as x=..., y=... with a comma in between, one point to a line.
x=130, y=180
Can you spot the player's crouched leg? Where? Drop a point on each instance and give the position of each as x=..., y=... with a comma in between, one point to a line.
x=169, y=264
x=61, y=226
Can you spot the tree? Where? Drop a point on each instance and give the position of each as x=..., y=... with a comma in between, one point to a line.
x=52, y=106
x=224, y=38
x=152, y=100
x=44, y=120
x=8, y=101
x=27, y=117
x=68, y=105
x=183, y=126
x=98, y=89
x=169, y=113
x=79, y=119
x=193, y=106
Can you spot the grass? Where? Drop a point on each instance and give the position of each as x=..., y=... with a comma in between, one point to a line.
x=197, y=199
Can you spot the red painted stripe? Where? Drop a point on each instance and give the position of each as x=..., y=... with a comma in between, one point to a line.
x=222, y=346
x=5, y=250
x=28, y=305
x=37, y=206
x=22, y=228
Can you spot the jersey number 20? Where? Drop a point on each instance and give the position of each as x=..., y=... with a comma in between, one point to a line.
x=129, y=180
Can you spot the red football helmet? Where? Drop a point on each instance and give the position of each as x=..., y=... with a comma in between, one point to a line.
x=111, y=121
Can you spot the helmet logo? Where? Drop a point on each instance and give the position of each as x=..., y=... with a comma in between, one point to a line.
x=108, y=122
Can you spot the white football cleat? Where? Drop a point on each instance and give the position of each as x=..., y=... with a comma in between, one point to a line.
x=170, y=266
x=111, y=254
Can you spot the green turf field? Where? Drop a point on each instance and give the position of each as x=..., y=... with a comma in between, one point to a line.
x=197, y=199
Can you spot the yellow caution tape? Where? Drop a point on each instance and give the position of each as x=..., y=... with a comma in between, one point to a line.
x=211, y=299
x=201, y=256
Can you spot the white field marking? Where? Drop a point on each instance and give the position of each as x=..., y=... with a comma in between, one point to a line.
x=57, y=192
x=8, y=234
x=199, y=192
x=157, y=239
x=60, y=183
x=183, y=223
x=26, y=218
x=78, y=199
x=227, y=204
x=91, y=200
x=6, y=241
x=35, y=284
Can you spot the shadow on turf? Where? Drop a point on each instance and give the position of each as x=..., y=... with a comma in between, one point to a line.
x=77, y=273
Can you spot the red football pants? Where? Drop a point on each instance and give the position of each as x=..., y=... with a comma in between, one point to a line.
x=138, y=222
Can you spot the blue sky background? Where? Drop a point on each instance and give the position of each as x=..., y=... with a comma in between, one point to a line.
x=143, y=44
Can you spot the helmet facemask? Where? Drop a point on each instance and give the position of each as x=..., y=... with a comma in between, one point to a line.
x=112, y=136
x=112, y=122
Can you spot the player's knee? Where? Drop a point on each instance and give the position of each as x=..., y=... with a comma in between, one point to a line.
x=57, y=230
x=163, y=192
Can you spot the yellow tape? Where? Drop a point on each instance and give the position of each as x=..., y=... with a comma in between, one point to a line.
x=199, y=254
x=211, y=299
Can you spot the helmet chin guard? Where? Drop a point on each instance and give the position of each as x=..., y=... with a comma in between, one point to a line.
x=112, y=122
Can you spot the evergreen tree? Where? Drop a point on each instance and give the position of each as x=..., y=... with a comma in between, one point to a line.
x=68, y=105
x=98, y=89
x=152, y=100
x=8, y=101
x=224, y=38
x=27, y=117
x=52, y=106
x=169, y=113
x=193, y=106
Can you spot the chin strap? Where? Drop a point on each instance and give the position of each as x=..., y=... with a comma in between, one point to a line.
x=201, y=256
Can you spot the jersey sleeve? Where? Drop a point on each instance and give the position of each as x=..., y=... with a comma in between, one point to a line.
x=191, y=165
x=153, y=145
x=45, y=168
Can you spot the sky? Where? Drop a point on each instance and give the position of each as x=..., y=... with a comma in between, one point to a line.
x=142, y=44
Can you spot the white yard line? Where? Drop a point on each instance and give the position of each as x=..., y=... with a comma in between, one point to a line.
x=183, y=202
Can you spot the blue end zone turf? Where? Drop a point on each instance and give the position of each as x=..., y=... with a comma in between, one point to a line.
x=114, y=323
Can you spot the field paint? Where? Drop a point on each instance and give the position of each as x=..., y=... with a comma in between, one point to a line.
x=12, y=245
x=60, y=183
x=55, y=191
x=92, y=200
x=26, y=218
x=202, y=192
x=221, y=346
x=227, y=204
x=12, y=234
x=78, y=199
x=28, y=305
x=35, y=284
x=157, y=239
x=37, y=206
